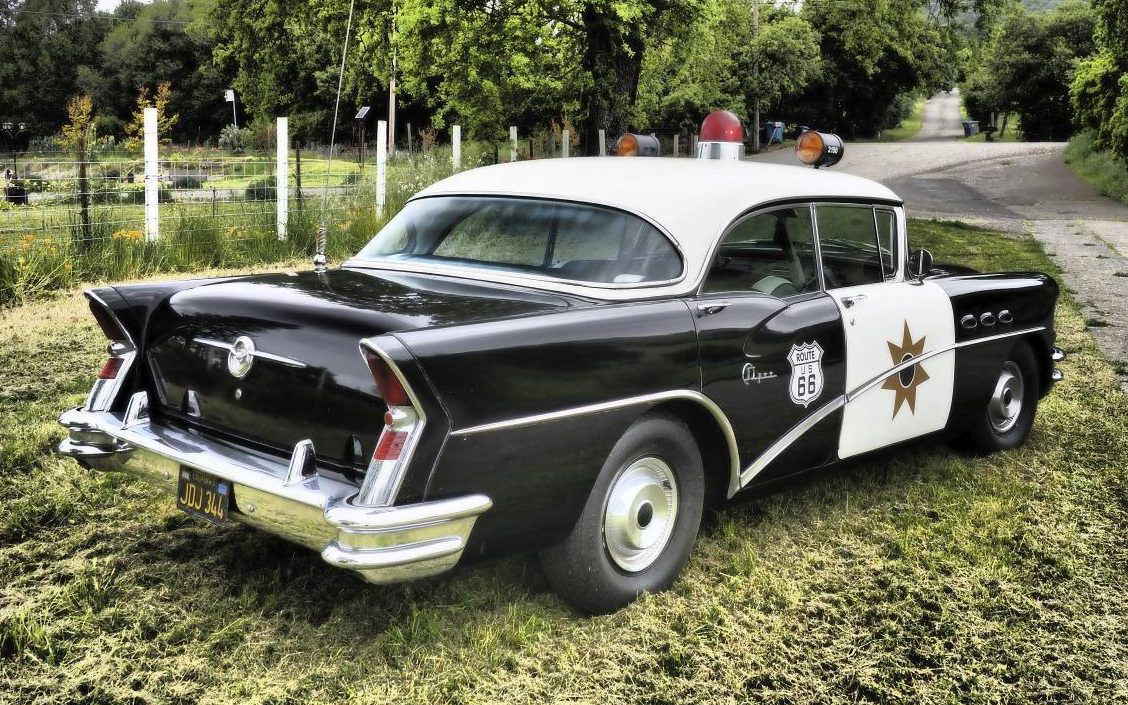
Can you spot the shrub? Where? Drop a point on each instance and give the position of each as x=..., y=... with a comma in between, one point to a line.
x=186, y=181
x=234, y=140
x=261, y=190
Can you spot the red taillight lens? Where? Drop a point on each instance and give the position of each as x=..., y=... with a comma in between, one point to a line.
x=391, y=389
x=110, y=368
x=390, y=445
x=106, y=322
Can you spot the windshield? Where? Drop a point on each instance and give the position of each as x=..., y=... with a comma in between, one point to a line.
x=539, y=237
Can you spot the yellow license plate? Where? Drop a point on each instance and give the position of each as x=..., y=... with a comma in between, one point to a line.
x=203, y=496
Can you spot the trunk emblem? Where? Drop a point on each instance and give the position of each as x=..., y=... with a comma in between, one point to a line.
x=241, y=357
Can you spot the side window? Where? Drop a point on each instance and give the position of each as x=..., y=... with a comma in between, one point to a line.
x=887, y=240
x=772, y=253
x=848, y=240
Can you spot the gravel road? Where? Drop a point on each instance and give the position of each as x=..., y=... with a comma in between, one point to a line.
x=1014, y=187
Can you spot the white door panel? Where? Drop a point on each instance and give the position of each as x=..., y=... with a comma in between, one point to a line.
x=887, y=324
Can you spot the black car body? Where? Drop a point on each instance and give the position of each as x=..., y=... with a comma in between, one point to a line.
x=421, y=405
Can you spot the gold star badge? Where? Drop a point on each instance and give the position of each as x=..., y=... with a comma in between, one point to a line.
x=904, y=383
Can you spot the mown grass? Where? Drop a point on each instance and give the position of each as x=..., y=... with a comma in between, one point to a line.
x=1107, y=173
x=918, y=576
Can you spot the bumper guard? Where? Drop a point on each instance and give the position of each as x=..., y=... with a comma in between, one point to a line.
x=287, y=498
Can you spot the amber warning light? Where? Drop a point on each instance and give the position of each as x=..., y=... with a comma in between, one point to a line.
x=819, y=149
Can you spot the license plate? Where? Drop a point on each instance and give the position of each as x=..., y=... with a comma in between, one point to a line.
x=203, y=496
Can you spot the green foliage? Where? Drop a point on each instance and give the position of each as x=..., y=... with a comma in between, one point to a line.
x=1107, y=172
x=1100, y=87
x=1027, y=68
x=234, y=139
x=873, y=51
x=711, y=66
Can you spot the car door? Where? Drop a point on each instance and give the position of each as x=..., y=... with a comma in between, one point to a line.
x=887, y=321
x=771, y=341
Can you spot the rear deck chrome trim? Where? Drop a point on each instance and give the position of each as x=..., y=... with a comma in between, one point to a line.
x=288, y=361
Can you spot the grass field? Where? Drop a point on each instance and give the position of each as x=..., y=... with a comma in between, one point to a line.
x=922, y=576
x=908, y=128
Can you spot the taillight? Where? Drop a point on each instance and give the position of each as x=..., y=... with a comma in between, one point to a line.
x=390, y=386
x=120, y=352
x=110, y=368
x=109, y=326
x=403, y=423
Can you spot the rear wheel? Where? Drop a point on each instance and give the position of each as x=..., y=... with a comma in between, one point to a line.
x=1006, y=420
x=639, y=522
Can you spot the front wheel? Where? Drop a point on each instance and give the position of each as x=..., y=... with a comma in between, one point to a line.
x=639, y=523
x=1009, y=415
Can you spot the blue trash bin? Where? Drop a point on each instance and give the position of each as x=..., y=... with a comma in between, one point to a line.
x=971, y=127
x=777, y=133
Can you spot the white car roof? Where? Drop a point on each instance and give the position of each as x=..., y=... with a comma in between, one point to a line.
x=693, y=200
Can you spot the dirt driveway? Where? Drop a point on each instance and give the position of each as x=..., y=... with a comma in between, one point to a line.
x=1015, y=187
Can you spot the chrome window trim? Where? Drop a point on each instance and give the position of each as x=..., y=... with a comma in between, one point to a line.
x=513, y=276
x=653, y=398
x=370, y=494
x=699, y=289
x=898, y=217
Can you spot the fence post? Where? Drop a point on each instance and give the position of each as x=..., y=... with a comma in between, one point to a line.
x=602, y=143
x=456, y=147
x=565, y=139
x=282, y=180
x=677, y=149
x=513, y=143
x=152, y=177
x=381, y=166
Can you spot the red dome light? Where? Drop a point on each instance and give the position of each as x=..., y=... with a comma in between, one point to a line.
x=721, y=126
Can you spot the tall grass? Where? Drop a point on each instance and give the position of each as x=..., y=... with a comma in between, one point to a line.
x=1104, y=170
x=49, y=252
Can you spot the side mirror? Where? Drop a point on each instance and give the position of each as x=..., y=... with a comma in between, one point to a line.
x=920, y=264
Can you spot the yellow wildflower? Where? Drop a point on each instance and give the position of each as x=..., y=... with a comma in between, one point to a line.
x=67, y=266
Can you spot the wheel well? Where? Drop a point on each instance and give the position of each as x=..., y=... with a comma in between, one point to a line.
x=1041, y=350
x=711, y=442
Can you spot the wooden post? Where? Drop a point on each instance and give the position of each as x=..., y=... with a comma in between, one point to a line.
x=513, y=143
x=152, y=177
x=602, y=143
x=456, y=147
x=677, y=149
x=565, y=138
x=298, y=173
x=282, y=177
x=409, y=138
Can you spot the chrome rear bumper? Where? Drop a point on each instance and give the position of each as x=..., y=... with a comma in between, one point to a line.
x=290, y=499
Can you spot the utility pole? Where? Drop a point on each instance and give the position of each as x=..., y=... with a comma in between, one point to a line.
x=392, y=93
x=756, y=79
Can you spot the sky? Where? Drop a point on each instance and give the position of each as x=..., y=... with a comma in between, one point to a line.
x=107, y=5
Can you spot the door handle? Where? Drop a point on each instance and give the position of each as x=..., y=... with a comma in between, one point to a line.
x=710, y=307
x=849, y=301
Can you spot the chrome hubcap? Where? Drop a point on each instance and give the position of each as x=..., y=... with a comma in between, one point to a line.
x=640, y=513
x=1006, y=401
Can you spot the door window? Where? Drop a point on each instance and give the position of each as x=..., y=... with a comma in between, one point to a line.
x=772, y=253
x=852, y=253
x=887, y=240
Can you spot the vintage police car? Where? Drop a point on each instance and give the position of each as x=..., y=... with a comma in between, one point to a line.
x=570, y=356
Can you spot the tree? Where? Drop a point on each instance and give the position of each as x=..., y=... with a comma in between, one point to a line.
x=78, y=133
x=163, y=41
x=44, y=42
x=166, y=120
x=1099, y=93
x=873, y=52
x=1029, y=66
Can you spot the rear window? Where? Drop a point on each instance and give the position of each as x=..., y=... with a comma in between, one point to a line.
x=556, y=239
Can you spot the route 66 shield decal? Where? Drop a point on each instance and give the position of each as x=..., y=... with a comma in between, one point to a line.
x=806, y=372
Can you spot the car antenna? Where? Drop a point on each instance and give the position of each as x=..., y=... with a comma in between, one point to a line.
x=320, y=258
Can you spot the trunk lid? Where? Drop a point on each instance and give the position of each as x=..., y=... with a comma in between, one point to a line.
x=308, y=378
